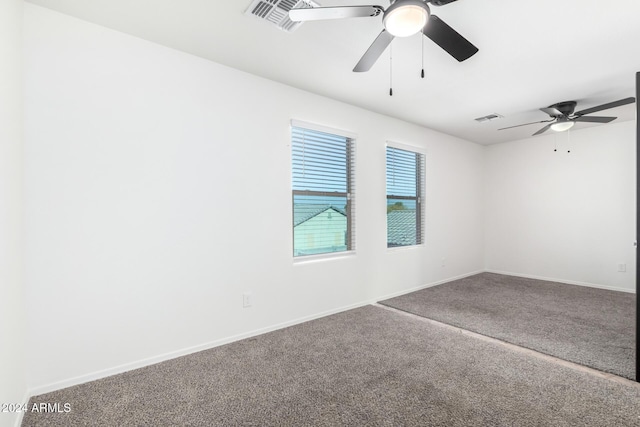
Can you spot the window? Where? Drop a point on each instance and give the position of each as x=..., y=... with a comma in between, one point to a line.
x=322, y=190
x=405, y=182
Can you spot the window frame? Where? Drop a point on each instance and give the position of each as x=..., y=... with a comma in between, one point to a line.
x=349, y=195
x=421, y=155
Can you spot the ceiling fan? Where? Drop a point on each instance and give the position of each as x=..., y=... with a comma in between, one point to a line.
x=401, y=19
x=563, y=116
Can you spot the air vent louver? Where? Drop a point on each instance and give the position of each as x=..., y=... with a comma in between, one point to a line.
x=277, y=11
x=287, y=5
x=262, y=9
x=488, y=118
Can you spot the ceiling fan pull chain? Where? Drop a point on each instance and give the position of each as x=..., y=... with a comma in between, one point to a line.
x=555, y=143
x=391, y=69
x=422, y=74
x=569, y=141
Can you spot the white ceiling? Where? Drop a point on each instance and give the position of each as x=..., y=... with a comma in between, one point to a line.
x=532, y=54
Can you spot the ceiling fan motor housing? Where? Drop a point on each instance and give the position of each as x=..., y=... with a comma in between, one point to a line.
x=566, y=108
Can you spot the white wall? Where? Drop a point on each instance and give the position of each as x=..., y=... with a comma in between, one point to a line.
x=12, y=310
x=564, y=216
x=158, y=190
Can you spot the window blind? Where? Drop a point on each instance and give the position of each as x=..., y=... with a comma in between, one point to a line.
x=322, y=192
x=405, y=182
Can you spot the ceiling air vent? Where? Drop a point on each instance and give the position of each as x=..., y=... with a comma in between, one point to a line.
x=277, y=11
x=489, y=118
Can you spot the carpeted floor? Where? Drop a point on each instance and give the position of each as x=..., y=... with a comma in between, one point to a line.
x=364, y=367
x=592, y=327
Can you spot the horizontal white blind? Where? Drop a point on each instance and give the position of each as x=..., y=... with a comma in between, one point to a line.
x=320, y=161
x=402, y=169
x=322, y=192
x=405, y=183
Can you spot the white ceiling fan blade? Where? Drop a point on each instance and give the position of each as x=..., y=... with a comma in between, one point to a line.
x=543, y=130
x=373, y=53
x=322, y=13
x=526, y=124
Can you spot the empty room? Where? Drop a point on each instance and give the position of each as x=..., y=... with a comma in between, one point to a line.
x=318, y=213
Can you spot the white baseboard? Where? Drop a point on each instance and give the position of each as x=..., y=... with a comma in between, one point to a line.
x=568, y=282
x=428, y=285
x=183, y=352
x=186, y=351
x=18, y=420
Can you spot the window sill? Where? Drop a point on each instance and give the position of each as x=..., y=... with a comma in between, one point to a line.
x=312, y=259
x=406, y=248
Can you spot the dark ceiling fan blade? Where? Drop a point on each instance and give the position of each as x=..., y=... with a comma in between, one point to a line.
x=543, y=130
x=607, y=106
x=320, y=13
x=552, y=111
x=526, y=124
x=449, y=39
x=373, y=53
x=441, y=2
x=594, y=119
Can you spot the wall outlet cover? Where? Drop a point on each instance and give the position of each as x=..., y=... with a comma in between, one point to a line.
x=247, y=299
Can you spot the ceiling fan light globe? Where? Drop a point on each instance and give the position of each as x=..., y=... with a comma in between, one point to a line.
x=406, y=18
x=562, y=126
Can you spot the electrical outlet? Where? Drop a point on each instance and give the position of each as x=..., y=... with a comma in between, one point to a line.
x=247, y=299
x=444, y=262
x=622, y=268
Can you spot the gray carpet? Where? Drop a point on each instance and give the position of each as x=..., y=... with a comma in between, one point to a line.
x=364, y=367
x=592, y=327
